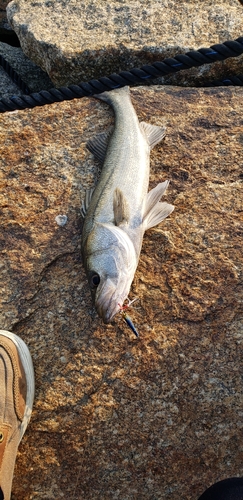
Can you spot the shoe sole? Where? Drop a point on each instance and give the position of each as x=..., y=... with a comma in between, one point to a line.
x=26, y=361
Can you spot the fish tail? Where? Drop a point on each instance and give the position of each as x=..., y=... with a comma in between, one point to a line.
x=109, y=96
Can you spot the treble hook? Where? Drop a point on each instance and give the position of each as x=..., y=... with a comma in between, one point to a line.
x=127, y=318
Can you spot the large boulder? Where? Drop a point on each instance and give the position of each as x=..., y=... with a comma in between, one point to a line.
x=75, y=41
x=31, y=74
x=117, y=417
x=5, y=30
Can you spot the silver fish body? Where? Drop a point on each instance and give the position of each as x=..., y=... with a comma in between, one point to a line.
x=120, y=209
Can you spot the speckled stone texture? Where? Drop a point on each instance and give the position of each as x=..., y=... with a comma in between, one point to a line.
x=3, y=17
x=75, y=41
x=31, y=74
x=115, y=417
x=3, y=5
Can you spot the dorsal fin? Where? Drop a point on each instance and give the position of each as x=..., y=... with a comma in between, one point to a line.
x=120, y=208
x=154, y=133
x=98, y=145
x=155, y=211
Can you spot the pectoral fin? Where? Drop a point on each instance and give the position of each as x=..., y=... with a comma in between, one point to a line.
x=120, y=208
x=98, y=146
x=155, y=211
x=154, y=133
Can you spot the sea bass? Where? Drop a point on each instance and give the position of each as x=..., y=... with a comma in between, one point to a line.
x=119, y=210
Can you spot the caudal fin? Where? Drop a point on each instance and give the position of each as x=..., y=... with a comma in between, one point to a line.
x=108, y=96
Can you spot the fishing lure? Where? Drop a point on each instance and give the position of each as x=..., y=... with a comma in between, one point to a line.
x=129, y=322
x=127, y=318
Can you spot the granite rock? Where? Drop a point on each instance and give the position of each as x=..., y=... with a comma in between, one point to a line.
x=3, y=20
x=32, y=75
x=3, y=4
x=4, y=26
x=117, y=417
x=75, y=41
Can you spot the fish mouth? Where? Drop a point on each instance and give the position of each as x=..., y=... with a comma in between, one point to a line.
x=107, y=302
x=109, y=315
x=107, y=312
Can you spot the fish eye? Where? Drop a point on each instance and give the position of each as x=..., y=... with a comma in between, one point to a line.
x=94, y=280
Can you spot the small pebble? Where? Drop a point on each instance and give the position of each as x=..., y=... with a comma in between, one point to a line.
x=61, y=220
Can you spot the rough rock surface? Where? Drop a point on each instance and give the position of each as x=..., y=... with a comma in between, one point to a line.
x=35, y=78
x=3, y=20
x=75, y=41
x=31, y=74
x=4, y=26
x=117, y=417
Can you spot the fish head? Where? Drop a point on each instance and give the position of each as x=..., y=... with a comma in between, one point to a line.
x=110, y=265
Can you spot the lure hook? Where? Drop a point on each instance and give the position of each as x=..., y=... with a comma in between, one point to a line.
x=126, y=317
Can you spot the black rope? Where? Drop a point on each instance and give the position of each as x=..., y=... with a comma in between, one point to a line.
x=230, y=80
x=217, y=52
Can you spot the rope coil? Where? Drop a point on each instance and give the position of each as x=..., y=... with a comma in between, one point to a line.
x=194, y=58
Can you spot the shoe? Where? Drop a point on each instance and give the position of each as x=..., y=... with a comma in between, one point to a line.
x=17, y=386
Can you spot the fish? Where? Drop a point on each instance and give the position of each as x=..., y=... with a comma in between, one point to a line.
x=119, y=209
